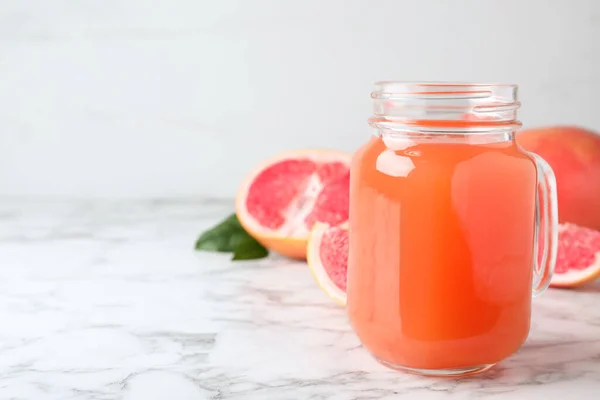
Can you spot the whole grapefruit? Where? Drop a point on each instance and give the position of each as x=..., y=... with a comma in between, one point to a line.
x=574, y=155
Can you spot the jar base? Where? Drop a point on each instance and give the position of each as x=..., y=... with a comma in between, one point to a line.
x=446, y=372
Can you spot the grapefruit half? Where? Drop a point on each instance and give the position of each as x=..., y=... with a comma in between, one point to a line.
x=281, y=199
x=327, y=257
x=578, y=258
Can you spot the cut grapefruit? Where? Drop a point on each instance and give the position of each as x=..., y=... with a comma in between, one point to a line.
x=327, y=256
x=281, y=199
x=578, y=258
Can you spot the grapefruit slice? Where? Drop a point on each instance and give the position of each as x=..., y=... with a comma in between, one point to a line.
x=578, y=258
x=327, y=256
x=281, y=199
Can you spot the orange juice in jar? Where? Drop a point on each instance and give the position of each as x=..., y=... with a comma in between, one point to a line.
x=447, y=214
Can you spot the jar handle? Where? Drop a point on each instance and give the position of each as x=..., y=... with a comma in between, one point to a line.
x=546, y=226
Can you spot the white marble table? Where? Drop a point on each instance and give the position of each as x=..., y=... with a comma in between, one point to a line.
x=107, y=300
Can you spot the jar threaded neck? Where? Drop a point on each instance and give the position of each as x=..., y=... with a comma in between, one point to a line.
x=445, y=107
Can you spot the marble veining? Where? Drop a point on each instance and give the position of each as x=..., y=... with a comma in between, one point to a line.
x=107, y=300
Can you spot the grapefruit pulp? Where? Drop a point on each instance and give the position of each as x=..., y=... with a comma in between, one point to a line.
x=281, y=199
x=327, y=257
x=578, y=258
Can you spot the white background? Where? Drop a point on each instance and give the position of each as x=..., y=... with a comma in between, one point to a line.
x=179, y=98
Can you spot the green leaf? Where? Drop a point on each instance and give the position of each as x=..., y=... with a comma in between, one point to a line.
x=229, y=236
x=222, y=237
x=249, y=249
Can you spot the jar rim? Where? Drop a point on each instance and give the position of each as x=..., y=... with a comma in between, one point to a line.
x=389, y=89
x=445, y=83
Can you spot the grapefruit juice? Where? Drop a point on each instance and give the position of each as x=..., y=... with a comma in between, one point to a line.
x=442, y=248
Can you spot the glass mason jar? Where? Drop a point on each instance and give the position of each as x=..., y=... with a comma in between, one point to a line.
x=453, y=226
